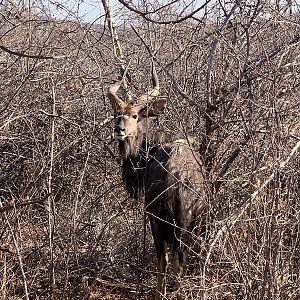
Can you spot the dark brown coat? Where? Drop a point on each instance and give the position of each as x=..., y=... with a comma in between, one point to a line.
x=169, y=175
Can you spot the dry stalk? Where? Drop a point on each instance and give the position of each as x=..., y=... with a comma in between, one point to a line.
x=51, y=203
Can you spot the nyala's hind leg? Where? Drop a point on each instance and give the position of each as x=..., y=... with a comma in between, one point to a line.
x=161, y=277
x=178, y=265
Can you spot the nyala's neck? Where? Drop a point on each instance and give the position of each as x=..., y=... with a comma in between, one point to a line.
x=134, y=167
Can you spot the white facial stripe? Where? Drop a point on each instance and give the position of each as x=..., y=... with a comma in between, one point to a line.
x=123, y=116
x=120, y=132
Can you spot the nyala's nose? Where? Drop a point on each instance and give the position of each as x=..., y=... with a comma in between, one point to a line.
x=119, y=130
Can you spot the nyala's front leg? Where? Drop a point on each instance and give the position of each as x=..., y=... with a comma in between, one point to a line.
x=178, y=266
x=160, y=292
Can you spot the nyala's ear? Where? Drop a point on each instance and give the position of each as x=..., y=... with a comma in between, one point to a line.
x=156, y=108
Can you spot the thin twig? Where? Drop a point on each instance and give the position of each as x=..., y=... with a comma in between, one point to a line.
x=22, y=204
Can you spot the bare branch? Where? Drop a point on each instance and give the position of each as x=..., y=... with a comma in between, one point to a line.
x=175, y=21
x=5, y=49
x=233, y=219
x=117, y=46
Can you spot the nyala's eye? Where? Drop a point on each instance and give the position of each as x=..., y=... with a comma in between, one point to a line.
x=135, y=116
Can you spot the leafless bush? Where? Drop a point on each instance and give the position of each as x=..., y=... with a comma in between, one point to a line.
x=231, y=77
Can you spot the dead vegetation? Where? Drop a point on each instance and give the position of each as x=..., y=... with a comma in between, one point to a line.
x=68, y=229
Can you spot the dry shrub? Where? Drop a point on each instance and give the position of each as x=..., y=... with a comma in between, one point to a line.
x=64, y=212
